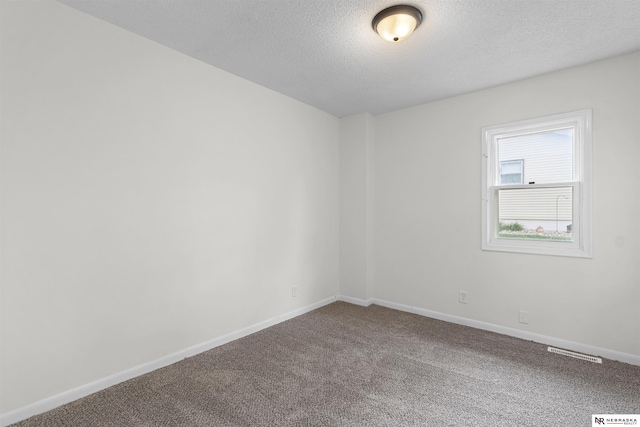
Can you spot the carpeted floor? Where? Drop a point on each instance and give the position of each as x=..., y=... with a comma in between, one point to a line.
x=345, y=365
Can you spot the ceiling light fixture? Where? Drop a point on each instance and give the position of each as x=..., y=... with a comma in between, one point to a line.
x=396, y=23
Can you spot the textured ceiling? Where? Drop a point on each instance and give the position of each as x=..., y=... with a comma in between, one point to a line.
x=325, y=53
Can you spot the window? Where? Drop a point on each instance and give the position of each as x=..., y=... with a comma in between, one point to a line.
x=511, y=171
x=545, y=208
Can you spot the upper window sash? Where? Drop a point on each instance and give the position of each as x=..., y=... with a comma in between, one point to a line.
x=580, y=121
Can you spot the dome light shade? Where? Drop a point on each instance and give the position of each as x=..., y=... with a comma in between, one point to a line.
x=396, y=23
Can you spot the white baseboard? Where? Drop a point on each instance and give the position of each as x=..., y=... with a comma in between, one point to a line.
x=356, y=301
x=530, y=336
x=63, y=398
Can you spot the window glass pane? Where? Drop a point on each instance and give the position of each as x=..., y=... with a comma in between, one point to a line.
x=511, y=167
x=511, y=172
x=548, y=155
x=512, y=178
x=536, y=213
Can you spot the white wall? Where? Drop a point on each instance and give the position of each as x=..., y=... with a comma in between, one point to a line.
x=357, y=135
x=150, y=202
x=428, y=218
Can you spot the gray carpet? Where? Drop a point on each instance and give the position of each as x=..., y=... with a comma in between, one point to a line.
x=345, y=365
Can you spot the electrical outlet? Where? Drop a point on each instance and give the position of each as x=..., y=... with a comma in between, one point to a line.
x=294, y=291
x=462, y=297
x=524, y=317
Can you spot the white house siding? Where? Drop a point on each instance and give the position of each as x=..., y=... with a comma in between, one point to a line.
x=535, y=204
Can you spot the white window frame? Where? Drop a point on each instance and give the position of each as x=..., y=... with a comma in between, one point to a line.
x=581, y=246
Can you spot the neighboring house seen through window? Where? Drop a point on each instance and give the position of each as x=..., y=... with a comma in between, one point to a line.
x=545, y=208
